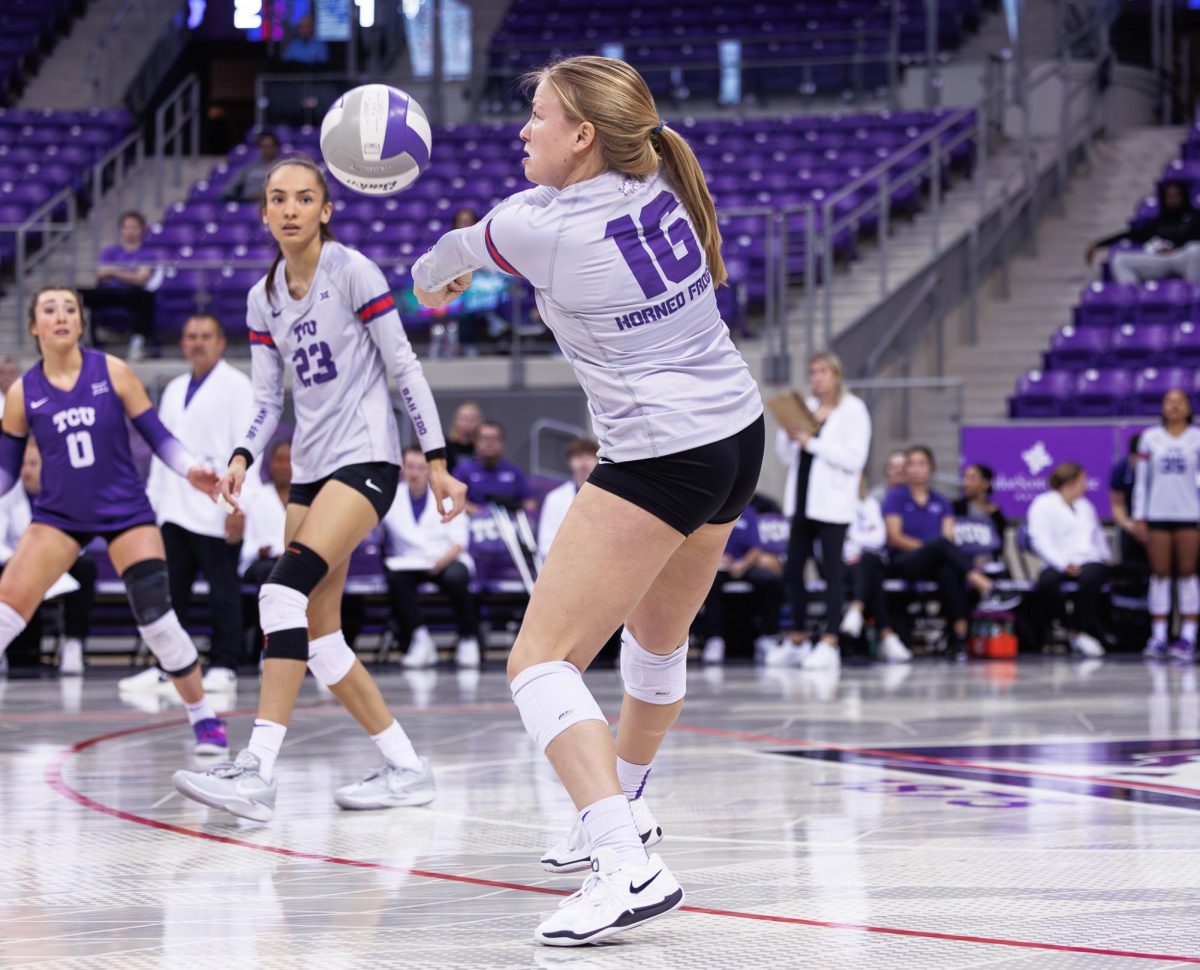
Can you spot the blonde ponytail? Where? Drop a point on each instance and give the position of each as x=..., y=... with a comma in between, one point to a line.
x=632, y=138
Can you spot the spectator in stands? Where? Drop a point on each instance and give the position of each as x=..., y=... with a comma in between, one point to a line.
x=920, y=530
x=490, y=477
x=865, y=555
x=421, y=548
x=248, y=184
x=740, y=562
x=126, y=279
x=204, y=409
x=460, y=439
x=581, y=459
x=305, y=48
x=825, y=465
x=266, y=513
x=1120, y=497
x=1065, y=533
x=976, y=499
x=9, y=372
x=16, y=514
x=1169, y=243
x=893, y=474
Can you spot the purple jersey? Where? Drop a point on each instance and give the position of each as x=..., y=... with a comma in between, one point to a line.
x=744, y=536
x=505, y=483
x=125, y=259
x=921, y=522
x=89, y=481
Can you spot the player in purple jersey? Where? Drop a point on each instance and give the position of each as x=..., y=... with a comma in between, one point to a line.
x=326, y=313
x=75, y=403
x=621, y=245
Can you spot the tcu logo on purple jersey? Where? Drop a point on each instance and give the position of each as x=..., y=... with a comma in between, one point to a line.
x=73, y=418
x=80, y=451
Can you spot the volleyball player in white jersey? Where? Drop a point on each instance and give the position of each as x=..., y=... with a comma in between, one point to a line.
x=328, y=315
x=1166, y=508
x=620, y=243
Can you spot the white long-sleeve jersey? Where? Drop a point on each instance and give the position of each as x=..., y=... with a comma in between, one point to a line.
x=621, y=280
x=1164, y=486
x=342, y=342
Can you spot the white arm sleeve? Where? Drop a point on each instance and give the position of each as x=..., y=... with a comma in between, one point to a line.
x=518, y=237
x=1141, y=487
x=367, y=284
x=266, y=376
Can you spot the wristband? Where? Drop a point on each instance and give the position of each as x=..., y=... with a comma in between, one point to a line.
x=249, y=458
x=436, y=454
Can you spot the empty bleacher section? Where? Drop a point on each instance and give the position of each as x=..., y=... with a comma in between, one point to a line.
x=28, y=29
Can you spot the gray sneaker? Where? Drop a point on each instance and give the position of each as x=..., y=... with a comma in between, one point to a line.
x=389, y=787
x=235, y=786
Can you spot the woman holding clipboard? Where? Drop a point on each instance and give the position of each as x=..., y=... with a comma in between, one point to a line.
x=824, y=439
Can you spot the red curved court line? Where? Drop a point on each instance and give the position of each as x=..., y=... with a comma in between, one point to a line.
x=934, y=760
x=54, y=778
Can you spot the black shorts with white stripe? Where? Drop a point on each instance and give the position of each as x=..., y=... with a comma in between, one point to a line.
x=376, y=481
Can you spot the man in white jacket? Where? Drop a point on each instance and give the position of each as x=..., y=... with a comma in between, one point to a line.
x=581, y=459
x=421, y=548
x=205, y=409
x=1064, y=531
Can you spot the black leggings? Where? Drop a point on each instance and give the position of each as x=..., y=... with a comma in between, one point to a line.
x=805, y=532
x=866, y=587
x=1088, y=615
x=767, y=592
x=189, y=553
x=454, y=581
x=941, y=561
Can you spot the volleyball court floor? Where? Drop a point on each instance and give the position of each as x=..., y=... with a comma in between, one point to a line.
x=937, y=816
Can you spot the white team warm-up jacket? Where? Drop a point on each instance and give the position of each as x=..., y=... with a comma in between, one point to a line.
x=210, y=427
x=413, y=545
x=839, y=456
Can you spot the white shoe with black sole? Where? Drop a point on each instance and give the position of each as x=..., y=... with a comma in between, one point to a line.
x=613, y=898
x=573, y=852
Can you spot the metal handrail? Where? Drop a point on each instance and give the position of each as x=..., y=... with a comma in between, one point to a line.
x=54, y=234
x=672, y=40
x=183, y=118
x=117, y=154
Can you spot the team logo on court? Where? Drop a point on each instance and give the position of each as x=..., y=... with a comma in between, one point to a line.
x=1146, y=770
x=1037, y=459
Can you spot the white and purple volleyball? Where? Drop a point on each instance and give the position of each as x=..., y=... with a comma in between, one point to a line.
x=376, y=140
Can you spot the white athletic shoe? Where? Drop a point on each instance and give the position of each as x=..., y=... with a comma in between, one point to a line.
x=763, y=645
x=137, y=348
x=467, y=654
x=70, y=658
x=235, y=786
x=824, y=656
x=852, y=623
x=892, y=650
x=389, y=787
x=573, y=852
x=422, y=652
x=1087, y=645
x=714, y=651
x=219, y=679
x=614, y=897
x=152, y=680
x=787, y=654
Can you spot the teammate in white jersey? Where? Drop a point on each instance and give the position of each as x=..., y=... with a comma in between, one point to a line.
x=620, y=242
x=327, y=314
x=1166, y=508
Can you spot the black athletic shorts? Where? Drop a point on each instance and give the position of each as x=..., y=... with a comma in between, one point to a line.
x=84, y=538
x=709, y=484
x=1171, y=526
x=374, y=480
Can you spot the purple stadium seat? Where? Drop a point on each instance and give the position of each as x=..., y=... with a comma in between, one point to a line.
x=1101, y=393
x=1151, y=383
x=1184, y=344
x=1042, y=394
x=1075, y=348
x=1138, y=345
x=1106, y=304
x=1164, y=301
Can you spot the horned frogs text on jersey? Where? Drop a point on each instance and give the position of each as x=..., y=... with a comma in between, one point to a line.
x=342, y=342
x=1164, y=487
x=622, y=282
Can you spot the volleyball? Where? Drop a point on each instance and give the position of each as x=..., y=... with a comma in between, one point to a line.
x=376, y=140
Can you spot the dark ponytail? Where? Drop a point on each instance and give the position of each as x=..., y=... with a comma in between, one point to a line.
x=326, y=233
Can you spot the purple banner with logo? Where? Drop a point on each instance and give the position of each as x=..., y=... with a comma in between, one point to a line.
x=1023, y=456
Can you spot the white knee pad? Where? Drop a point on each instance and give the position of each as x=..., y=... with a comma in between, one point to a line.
x=282, y=608
x=1160, y=596
x=552, y=697
x=170, y=643
x=1187, y=595
x=652, y=677
x=330, y=658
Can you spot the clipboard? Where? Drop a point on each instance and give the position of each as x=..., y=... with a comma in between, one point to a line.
x=792, y=413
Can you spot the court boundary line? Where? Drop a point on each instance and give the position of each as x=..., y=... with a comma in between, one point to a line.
x=53, y=776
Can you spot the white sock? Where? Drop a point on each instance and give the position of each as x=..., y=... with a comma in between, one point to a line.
x=632, y=777
x=1158, y=629
x=609, y=825
x=394, y=745
x=200, y=711
x=1187, y=631
x=265, y=741
x=11, y=625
